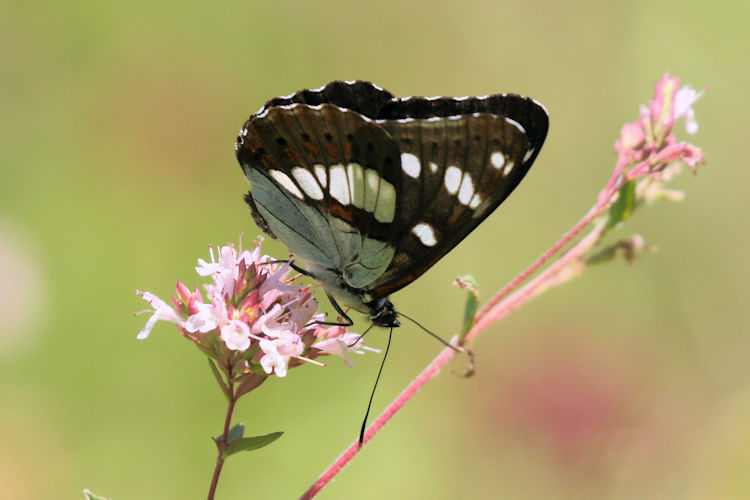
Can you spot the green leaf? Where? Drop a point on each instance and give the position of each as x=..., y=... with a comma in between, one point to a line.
x=622, y=208
x=468, y=282
x=235, y=433
x=251, y=443
x=91, y=496
x=220, y=380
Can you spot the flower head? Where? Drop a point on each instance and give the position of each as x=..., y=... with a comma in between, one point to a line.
x=648, y=145
x=252, y=317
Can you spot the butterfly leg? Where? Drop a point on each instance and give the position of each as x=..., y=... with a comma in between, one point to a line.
x=347, y=320
x=294, y=266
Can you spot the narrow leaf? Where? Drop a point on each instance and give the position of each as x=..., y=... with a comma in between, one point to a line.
x=468, y=282
x=622, y=208
x=251, y=443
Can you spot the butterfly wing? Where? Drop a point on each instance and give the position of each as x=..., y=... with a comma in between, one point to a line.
x=461, y=158
x=324, y=181
x=371, y=190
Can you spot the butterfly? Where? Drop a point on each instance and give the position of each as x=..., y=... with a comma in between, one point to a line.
x=371, y=190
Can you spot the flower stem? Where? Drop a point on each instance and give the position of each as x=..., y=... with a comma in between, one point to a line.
x=432, y=369
x=221, y=443
x=498, y=307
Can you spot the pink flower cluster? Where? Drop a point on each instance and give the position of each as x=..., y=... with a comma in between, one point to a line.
x=253, y=319
x=648, y=151
x=649, y=142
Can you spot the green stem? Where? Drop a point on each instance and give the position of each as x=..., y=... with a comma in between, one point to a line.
x=222, y=442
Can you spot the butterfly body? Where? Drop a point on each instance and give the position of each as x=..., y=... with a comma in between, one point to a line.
x=370, y=190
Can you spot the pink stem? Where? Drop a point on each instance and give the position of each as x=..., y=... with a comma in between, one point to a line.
x=491, y=313
x=537, y=264
x=531, y=289
x=605, y=196
x=432, y=369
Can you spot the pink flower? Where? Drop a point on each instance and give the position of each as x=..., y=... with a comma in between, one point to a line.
x=632, y=136
x=224, y=272
x=662, y=106
x=683, y=106
x=647, y=146
x=162, y=311
x=236, y=335
x=209, y=317
x=253, y=319
x=343, y=345
x=278, y=349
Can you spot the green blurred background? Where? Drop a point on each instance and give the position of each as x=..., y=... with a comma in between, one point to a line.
x=117, y=169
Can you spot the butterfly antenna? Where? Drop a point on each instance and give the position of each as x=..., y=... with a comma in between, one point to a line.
x=434, y=335
x=372, y=395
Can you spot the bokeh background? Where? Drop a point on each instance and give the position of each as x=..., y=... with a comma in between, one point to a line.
x=117, y=169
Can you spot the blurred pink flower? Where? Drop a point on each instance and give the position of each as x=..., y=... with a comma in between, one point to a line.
x=647, y=145
x=683, y=106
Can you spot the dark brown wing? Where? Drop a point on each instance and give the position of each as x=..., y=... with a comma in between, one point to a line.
x=461, y=158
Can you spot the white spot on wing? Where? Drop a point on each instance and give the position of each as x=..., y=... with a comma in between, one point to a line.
x=475, y=201
x=452, y=179
x=386, y=204
x=284, y=181
x=307, y=182
x=372, y=183
x=508, y=167
x=410, y=165
x=356, y=184
x=466, y=191
x=425, y=233
x=528, y=155
x=433, y=167
x=320, y=173
x=339, y=185
x=497, y=159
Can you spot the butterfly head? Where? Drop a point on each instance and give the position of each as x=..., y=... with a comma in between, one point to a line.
x=383, y=313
